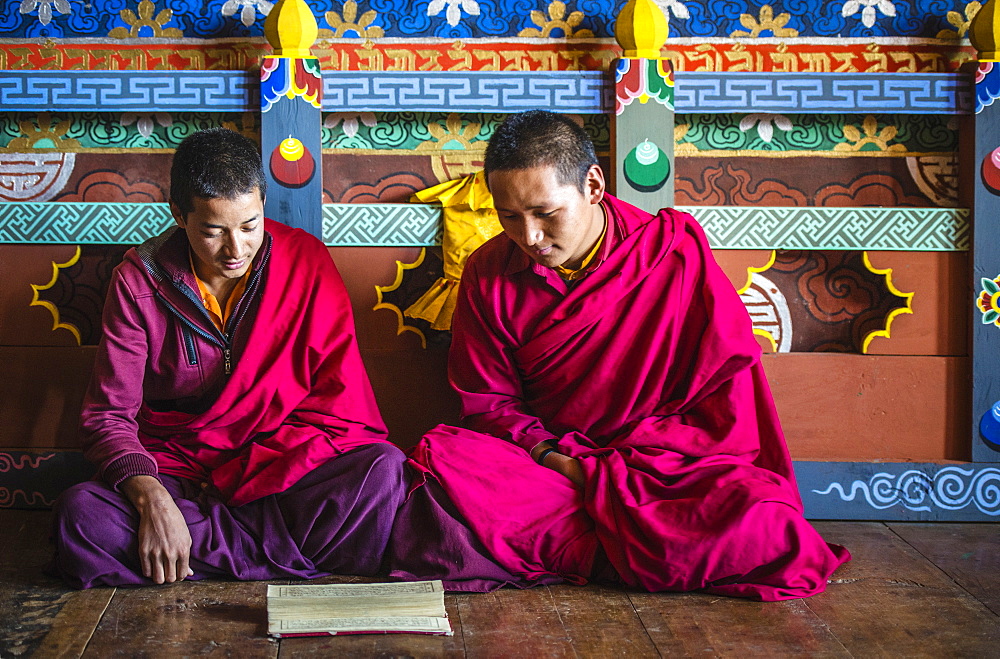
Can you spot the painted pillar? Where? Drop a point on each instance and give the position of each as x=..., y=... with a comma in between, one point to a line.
x=984, y=33
x=642, y=130
x=291, y=96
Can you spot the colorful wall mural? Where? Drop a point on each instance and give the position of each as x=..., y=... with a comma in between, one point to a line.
x=789, y=117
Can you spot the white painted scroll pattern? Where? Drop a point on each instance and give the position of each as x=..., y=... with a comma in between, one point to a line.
x=950, y=488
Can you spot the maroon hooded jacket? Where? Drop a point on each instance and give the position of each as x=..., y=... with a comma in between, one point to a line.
x=249, y=410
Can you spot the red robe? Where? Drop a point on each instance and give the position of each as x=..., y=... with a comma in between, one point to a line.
x=648, y=373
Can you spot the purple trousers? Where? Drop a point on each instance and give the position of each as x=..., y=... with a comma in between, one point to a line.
x=336, y=519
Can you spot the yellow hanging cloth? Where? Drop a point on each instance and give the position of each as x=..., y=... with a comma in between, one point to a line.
x=469, y=221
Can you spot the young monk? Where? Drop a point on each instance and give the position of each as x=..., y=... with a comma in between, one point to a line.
x=618, y=423
x=229, y=415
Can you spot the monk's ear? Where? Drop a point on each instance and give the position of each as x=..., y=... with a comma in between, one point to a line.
x=179, y=218
x=594, y=185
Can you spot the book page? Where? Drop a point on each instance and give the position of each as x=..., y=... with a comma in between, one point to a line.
x=356, y=589
x=355, y=608
x=393, y=624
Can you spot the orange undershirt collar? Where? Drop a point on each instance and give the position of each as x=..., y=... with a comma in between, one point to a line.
x=573, y=275
x=211, y=303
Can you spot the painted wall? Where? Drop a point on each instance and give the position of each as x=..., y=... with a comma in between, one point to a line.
x=863, y=345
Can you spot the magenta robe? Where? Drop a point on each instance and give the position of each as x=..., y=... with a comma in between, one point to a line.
x=298, y=396
x=647, y=371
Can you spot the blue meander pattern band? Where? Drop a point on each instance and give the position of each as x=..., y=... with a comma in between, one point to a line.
x=580, y=92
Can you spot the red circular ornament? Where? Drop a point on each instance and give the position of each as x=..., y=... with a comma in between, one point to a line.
x=991, y=171
x=291, y=163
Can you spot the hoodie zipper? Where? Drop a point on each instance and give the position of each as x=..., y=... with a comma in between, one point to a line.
x=221, y=339
x=192, y=352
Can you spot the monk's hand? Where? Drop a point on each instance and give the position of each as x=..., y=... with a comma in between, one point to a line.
x=552, y=459
x=164, y=538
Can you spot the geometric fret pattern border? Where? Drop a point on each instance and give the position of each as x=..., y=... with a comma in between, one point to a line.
x=115, y=91
x=835, y=228
x=582, y=92
x=811, y=93
x=381, y=225
x=82, y=223
x=466, y=91
x=876, y=491
x=419, y=225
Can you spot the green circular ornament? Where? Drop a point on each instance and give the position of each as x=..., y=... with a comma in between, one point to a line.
x=647, y=167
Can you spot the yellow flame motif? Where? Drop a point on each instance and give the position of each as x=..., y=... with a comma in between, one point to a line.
x=291, y=149
x=906, y=297
x=53, y=309
x=401, y=326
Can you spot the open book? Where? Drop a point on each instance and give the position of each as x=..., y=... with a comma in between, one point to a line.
x=376, y=608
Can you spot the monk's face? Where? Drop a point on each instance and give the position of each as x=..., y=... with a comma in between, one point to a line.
x=225, y=235
x=555, y=223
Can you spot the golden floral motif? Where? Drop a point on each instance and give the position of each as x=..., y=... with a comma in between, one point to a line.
x=452, y=135
x=557, y=20
x=40, y=134
x=145, y=19
x=348, y=21
x=873, y=139
x=455, y=149
x=765, y=21
x=960, y=23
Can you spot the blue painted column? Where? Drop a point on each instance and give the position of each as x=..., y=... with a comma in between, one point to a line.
x=985, y=346
x=642, y=133
x=291, y=88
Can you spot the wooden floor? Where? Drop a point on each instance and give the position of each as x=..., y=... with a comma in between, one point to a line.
x=912, y=590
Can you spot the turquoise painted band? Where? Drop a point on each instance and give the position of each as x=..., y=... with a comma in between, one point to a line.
x=419, y=225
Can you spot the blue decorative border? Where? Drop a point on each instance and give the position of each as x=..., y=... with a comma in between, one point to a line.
x=148, y=91
x=817, y=93
x=81, y=223
x=581, y=92
x=900, y=491
x=584, y=92
x=419, y=225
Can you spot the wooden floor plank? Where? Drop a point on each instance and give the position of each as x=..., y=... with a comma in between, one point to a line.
x=40, y=616
x=28, y=604
x=601, y=622
x=968, y=553
x=890, y=601
x=706, y=625
x=514, y=623
x=74, y=625
x=211, y=618
x=912, y=590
